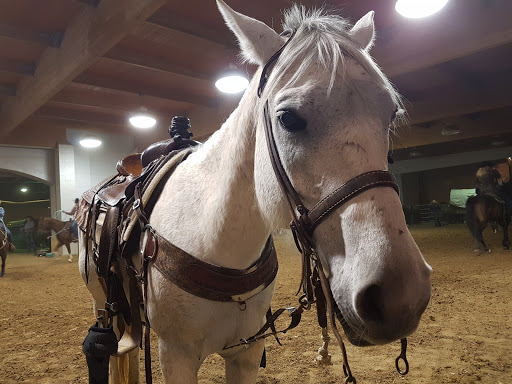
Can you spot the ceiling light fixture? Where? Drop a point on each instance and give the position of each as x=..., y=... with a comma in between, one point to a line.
x=498, y=142
x=90, y=142
x=142, y=121
x=450, y=131
x=419, y=8
x=23, y=189
x=232, y=81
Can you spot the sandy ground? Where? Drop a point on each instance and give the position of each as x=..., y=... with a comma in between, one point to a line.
x=465, y=335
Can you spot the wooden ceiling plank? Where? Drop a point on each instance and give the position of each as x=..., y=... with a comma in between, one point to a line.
x=89, y=35
x=450, y=104
x=172, y=20
x=99, y=110
x=136, y=58
x=15, y=66
x=145, y=89
x=51, y=39
x=159, y=34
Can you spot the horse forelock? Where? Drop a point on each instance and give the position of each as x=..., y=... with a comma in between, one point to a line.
x=323, y=41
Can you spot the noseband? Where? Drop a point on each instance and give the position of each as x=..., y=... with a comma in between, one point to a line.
x=304, y=221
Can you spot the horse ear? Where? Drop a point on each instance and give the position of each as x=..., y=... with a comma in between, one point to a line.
x=363, y=32
x=258, y=42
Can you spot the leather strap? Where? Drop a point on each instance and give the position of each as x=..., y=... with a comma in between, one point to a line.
x=265, y=71
x=347, y=191
x=213, y=282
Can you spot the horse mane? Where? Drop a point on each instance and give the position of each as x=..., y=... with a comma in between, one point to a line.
x=323, y=39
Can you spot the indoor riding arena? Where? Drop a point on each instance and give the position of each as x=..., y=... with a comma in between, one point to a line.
x=133, y=172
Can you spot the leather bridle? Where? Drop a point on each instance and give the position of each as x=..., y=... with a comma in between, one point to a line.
x=305, y=221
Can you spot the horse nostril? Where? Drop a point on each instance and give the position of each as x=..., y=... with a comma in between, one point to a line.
x=369, y=304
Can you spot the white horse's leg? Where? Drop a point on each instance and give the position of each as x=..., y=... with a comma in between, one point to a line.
x=178, y=366
x=242, y=368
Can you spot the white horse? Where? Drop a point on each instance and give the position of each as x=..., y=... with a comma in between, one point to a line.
x=330, y=108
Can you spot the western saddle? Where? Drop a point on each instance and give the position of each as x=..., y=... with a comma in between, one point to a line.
x=108, y=214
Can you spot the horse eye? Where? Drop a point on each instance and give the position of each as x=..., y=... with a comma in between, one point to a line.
x=291, y=121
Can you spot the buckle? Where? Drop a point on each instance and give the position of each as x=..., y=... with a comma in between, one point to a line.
x=112, y=307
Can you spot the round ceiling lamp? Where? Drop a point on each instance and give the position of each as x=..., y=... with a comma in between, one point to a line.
x=419, y=8
x=90, y=142
x=142, y=121
x=232, y=84
x=232, y=81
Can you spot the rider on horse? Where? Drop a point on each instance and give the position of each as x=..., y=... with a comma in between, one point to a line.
x=74, y=227
x=6, y=229
x=489, y=181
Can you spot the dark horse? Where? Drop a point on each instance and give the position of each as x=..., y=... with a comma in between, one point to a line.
x=5, y=247
x=63, y=231
x=484, y=209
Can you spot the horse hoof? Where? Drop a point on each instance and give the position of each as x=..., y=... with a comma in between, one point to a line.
x=488, y=251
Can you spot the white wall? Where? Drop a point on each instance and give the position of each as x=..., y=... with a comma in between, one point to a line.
x=95, y=164
x=33, y=162
x=79, y=169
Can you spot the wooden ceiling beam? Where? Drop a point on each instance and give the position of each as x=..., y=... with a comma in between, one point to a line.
x=442, y=104
x=171, y=20
x=15, y=66
x=142, y=60
x=491, y=123
x=8, y=90
x=97, y=113
x=93, y=96
x=63, y=111
x=52, y=39
x=90, y=34
x=180, y=95
x=164, y=35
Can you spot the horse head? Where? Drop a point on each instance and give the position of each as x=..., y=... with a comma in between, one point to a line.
x=330, y=109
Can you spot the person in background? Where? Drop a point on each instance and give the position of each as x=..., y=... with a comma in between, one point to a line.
x=435, y=209
x=7, y=230
x=74, y=226
x=28, y=230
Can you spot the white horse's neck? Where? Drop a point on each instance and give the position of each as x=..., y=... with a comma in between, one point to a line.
x=209, y=208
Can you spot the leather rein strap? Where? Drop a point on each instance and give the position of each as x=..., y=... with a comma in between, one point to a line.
x=314, y=283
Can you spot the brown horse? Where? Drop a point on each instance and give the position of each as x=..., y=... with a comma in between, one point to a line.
x=63, y=232
x=5, y=247
x=484, y=209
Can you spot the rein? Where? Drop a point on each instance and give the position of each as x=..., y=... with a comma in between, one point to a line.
x=314, y=284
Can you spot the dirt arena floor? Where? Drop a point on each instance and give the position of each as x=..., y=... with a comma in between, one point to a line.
x=465, y=335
